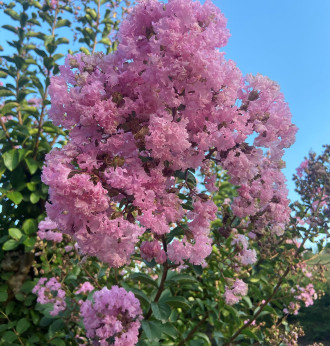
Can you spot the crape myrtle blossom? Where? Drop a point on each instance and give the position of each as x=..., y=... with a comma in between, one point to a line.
x=113, y=314
x=235, y=294
x=50, y=291
x=245, y=255
x=150, y=250
x=302, y=168
x=45, y=231
x=85, y=288
x=305, y=294
x=142, y=119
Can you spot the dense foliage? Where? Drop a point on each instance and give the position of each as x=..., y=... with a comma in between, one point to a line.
x=36, y=35
x=166, y=167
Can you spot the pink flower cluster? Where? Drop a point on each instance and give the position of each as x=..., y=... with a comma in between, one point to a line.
x=151, y=250
x=114, y=314
x=45, y=231
x=144, y=118
x=302, y=168
x=245, y=255
x=50, y=291
x=306, y=294
x=85, y=288
x=235, y=294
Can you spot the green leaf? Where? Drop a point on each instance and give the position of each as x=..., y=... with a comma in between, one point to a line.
x=58, y=342
x=177, y=302
x=249, y=334
x=34, y=198
x=161, y=311
x=39, y=35
x=9, y=337
x=141, y=296
x=29, y=243
x=3, y=327
x=106, y=41
x=143, y=278
x=40, y=52
x=13, y=14
x=191, y=180
x=3, y=296
x=198, y=269
x=5, y=92
x=248, y=301
x=177, y=231
x=152, y=329
x=32, y=164
x=23, y=18
x=10, y=28
x=10, y=244
x=63, y=22
x=183, y=279
x=31, y=186
x=15, y=197
x=30, y=226
x=187, y=206
x=204, y=337
x=11, y=159
x=271, y=310
x=7, y=107
x=85, y=50
x=35, y=317
x=55, y=327
x=62, y=40
x=15, y=233
x=170, y=330
x=10, y=307
x=22, y=325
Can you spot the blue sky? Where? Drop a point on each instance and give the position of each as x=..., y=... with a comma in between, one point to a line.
x=288, y=41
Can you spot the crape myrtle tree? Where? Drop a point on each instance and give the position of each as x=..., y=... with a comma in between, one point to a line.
x=35, y=36
x=168, y=220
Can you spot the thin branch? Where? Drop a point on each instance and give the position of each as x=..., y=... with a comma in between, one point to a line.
x=194, y=330
x=160, y=289
x=91, y=277
x=4, y=128
x=209, y=155
x=20, y=120
x=162, y=281
x=15, y=331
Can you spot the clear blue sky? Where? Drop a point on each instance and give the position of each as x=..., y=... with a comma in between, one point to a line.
x=288, y=41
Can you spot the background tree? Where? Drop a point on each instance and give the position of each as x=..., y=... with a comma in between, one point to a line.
x=36, y=36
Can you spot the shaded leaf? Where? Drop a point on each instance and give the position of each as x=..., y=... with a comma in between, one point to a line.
x=143, y=278
x=15, y=233
x=10, y=244
x=11, y=159
x=15, y=197
x=22, y=325
x=177, y=302
x=161, y=311
x=30, y=226
x=32, y=164
x=152, y=329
